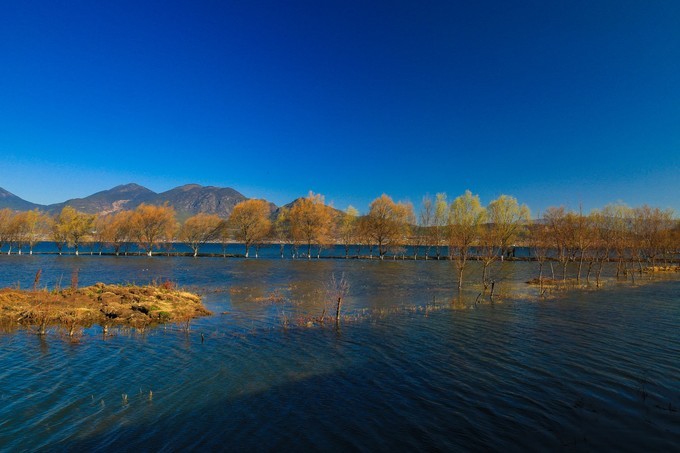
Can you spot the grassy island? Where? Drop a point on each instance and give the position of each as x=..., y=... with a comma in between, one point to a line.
x=102, y=304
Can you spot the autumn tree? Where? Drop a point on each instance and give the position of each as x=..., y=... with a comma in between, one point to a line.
x=347, y=228
x=250, y=222
x=557, y=222
x=387, y=223
x=540, y=245
x=310, y=221
x=200, y=229
x=117, y=230
x=72, y=227
x=653, y=227
x=398, y=247
x=582, y=238
x=618, y=219
x=466, y=217
x=281, y=230
x=6, y=216
x=439, y=222
x=603, y=240
x=28, y=227
x=425, y=222
x=506, y=221
x=151, y=225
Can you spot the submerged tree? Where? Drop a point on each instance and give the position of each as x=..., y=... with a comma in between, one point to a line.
x=250, y=222
x=29, y=227
x=117, y=230
x=466, y=217
x=506, y=221
x=439, y=223
x=72, y=227
x=425, y=223
x=151, y=225
x=347, y=228
x=310, y=221
x=387, y=223
x=200, y=229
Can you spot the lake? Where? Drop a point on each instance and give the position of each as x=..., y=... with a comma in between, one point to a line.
x=413, y=365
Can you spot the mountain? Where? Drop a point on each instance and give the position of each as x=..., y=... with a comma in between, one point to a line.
x=187, y=200
x=192, y=199
x=11, y=201
x=124, y=197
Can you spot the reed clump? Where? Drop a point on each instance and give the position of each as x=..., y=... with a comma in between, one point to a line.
x=102, y=304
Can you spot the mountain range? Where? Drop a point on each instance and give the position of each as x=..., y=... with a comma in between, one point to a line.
x=187, y=200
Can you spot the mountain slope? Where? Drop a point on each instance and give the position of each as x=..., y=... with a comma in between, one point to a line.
x=192, y=199
x=187, y=200
x=11, y=201
x=123, y=197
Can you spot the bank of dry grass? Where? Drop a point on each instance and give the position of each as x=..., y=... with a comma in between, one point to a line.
x=105, y=305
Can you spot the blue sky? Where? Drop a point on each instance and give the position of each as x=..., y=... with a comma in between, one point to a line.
x=556, y=103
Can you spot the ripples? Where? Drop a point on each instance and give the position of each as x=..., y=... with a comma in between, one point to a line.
x=587, y=370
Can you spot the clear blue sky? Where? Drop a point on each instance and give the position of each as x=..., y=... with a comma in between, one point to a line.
x=554, y=102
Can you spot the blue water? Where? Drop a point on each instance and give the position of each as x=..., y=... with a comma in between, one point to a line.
x=413, y=366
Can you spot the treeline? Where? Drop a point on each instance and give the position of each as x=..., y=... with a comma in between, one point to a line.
x=460, y=230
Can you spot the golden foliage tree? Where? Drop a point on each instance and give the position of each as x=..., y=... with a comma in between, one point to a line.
x=117, y=230
x=250, y=222
x=387, y=223
x=310, y=221
x=347, y=228
x=28, y=227
x=199, y=229
x=6, y=216
x=72, y=227
x=506, y=221
x=466, y=217
x=151, y=225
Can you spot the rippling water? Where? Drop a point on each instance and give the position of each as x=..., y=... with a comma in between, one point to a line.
x=586, y=370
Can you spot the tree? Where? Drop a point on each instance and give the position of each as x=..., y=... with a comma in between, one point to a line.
x=199, y=229
x=539, y=242
x=560, y=233
x=426, y=220
x=602, y=240
x=6, y=216
x=310, y=221
x=439, y=222
x=348, y=228
x=250, y=222
x=582, y=238
x=152, y=224
x=618, y=220
x=653, y=227
x=28, y=228
x=117, y=230
x=72, y=227
x=281, y=230
x=466, y=217
x=387, y=223
x=506, y=220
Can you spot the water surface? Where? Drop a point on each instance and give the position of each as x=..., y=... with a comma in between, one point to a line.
x=585, y=370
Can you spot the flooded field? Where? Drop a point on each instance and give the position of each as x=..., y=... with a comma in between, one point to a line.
x=413, y=365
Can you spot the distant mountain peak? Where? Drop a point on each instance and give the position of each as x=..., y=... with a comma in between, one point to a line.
x=188, y=200
x=11, y=201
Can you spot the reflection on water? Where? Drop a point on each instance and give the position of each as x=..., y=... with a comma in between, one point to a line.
x=584, y=370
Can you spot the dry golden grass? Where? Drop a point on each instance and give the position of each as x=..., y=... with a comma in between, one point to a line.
x=106, y=305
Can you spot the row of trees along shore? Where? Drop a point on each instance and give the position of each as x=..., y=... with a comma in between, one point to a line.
x=460, y=230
